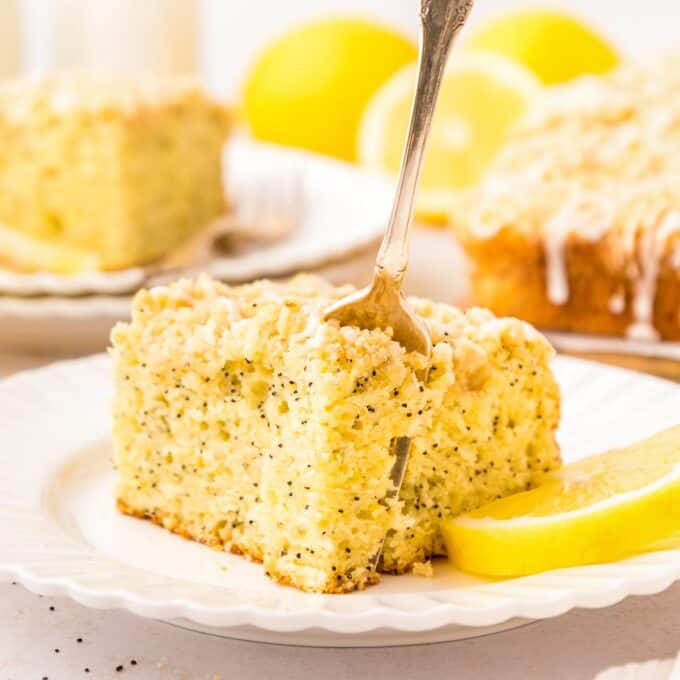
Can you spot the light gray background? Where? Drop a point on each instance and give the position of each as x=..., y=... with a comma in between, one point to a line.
x=220, y=37
x=636, y=27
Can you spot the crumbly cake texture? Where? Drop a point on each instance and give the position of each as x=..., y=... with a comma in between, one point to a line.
x=124, y=168
x=244, y=421
x=577, y=225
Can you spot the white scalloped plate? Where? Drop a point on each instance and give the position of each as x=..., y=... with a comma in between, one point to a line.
x=61, y=535
x=345, y=209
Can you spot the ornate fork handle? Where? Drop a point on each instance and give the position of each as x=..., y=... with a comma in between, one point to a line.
x=460, y=11
x=440, y=22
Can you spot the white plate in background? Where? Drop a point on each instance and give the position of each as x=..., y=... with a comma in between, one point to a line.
x=345, y=209
x=584, y=343
x=75, y=326
x=60, y=533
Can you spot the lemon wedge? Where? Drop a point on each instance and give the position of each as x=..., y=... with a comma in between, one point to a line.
x=482, y=96
x=309, y=87
x=552, y=44
x=22, y=252
x=600, y=509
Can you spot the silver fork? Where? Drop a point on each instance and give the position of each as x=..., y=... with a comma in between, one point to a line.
x=266, y=208
x=382, y=304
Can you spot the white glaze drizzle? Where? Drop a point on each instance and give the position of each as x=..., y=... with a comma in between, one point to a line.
x=674, y=260
x=557, y=281
x=617, y=302
x=651, y=251
x=576, y=216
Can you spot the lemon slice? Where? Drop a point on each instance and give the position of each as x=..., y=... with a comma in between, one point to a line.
x=482, y=96
x=25, y=253
x=599, y=509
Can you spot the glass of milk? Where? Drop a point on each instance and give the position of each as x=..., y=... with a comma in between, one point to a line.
x=118, y=36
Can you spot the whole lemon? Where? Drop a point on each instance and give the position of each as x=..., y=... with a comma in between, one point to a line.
x=554, y=45
x=310, y=87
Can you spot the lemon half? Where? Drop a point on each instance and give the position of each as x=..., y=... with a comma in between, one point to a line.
x=600, y=509
x=482, y=97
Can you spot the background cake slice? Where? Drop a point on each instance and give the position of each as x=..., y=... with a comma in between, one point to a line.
x=123, y=169
x=243, y=420
x=577, y=225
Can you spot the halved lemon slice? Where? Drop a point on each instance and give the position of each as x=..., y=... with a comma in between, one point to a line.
x=26, y=253
x=600, y=509
x=482, y=96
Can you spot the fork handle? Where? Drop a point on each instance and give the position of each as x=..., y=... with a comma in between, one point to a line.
x=440, y=22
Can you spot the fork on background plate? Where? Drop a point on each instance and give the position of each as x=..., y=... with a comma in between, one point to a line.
x=263, y=209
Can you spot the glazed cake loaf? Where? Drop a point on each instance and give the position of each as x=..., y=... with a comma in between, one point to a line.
x=577, y=225
x=244, y=421
x=123, y=169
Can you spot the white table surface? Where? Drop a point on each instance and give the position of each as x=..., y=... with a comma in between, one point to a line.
x=575, y=646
